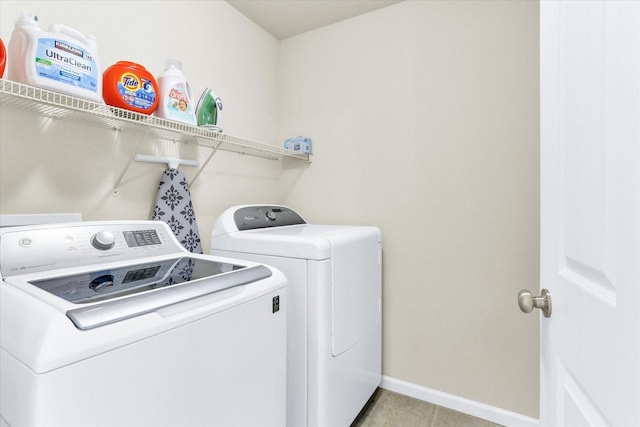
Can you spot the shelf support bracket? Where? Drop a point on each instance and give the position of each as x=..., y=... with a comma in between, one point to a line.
x=213, y=151
x=124, y=172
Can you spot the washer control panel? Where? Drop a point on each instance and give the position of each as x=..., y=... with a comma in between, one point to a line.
x=48, y=247
x=254, y=217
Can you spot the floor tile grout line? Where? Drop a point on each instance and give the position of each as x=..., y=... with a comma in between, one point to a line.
x=435, y=415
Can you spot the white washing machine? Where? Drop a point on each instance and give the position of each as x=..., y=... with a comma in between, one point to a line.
x=334, y=317
x=114, y=323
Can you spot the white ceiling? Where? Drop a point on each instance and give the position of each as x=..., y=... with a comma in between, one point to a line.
x=287, y=18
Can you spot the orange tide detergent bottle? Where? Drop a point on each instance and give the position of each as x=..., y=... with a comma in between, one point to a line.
x=130, y=86
x=3, y=58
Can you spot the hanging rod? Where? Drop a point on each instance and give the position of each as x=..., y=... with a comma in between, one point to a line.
x=172, y=162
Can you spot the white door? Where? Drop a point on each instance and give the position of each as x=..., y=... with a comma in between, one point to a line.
x=590, y=212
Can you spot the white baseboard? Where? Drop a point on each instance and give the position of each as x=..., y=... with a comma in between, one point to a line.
x=460, y=404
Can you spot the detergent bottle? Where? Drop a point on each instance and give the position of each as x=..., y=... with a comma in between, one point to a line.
x=3, y=58
x=176, y=100
x=61, y=59
x=128, y=85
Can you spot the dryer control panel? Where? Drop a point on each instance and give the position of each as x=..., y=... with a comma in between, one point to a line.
x=254, y=217
x=48, y=247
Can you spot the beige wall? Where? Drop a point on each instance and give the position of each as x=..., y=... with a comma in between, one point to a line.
x=424, y=117
x=425, y=123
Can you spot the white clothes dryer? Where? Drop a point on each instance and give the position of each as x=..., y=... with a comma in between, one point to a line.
x=334, y=317
x=114, y=323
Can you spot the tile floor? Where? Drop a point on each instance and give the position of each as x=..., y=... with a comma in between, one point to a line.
x=389, y=409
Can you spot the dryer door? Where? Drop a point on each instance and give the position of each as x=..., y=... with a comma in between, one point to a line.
x=356, y=285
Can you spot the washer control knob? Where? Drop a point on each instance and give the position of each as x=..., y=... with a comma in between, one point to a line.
x=103, y=240
x=102, y=283
x=271, y=215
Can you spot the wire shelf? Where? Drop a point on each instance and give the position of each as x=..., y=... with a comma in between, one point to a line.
x=59, y=105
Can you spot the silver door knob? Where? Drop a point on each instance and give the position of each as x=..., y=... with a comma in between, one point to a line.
x=528, y=302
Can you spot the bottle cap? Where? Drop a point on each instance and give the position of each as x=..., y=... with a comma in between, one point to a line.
x=173, y=63
x=28, y=17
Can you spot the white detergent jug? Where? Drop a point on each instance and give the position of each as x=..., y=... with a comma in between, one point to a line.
x=176, y=100
x=61, y=59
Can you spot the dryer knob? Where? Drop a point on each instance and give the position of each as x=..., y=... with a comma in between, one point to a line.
x=271, y=215
x=103, y=240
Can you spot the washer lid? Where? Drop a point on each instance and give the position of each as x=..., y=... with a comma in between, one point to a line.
x=108, y=312
x=305, y=241
x=45, y=332
x=279, y=231
x=105, y=284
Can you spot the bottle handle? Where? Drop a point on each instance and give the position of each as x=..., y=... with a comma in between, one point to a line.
x=189, y=90
x=59, y=28
x=192, y=108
